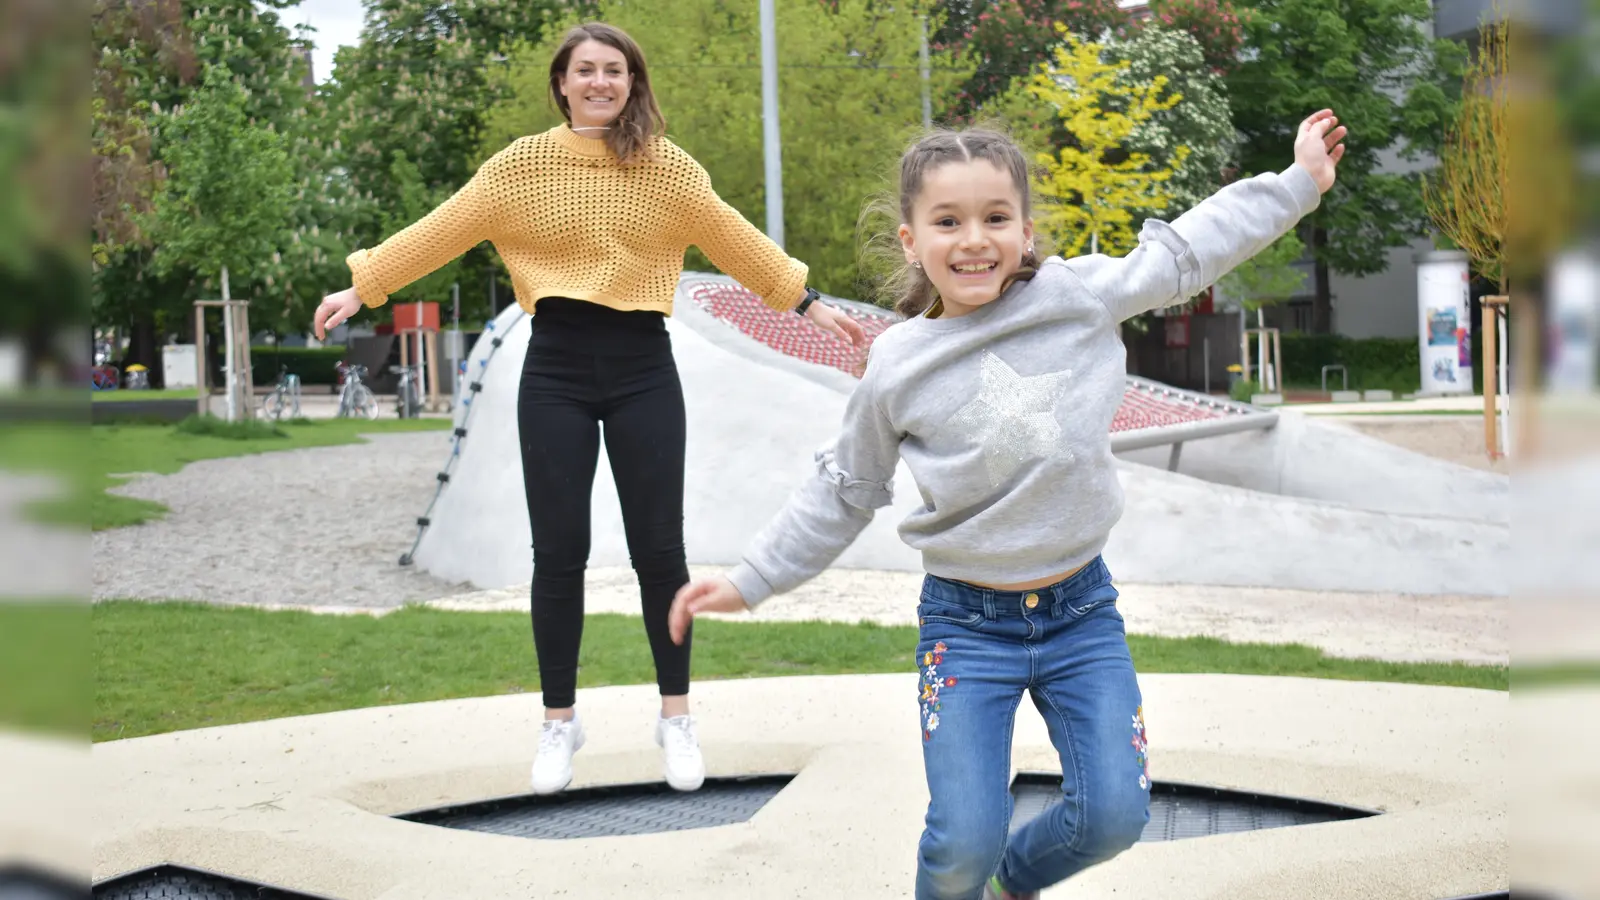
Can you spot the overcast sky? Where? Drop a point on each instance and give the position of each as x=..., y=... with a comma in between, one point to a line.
x=338, y=23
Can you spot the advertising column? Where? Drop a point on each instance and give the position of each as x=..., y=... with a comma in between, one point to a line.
x=1444, y=308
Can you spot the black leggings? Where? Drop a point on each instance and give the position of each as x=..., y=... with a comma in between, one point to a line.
x=582, y=372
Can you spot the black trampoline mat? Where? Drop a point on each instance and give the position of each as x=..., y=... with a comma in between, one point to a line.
x=180, y=883
x=1180, y=811
x=612, y=811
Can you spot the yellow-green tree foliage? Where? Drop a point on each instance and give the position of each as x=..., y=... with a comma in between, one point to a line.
x=1467, y=197
x=1093, y=184
x=849, y=94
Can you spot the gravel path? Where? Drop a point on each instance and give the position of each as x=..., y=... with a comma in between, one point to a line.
x=322, y=526
x=1457, y=439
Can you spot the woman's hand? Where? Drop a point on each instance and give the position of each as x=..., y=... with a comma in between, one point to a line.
x=831, y=320
x=334, y=310
x=705, y=595
x=1317, y=148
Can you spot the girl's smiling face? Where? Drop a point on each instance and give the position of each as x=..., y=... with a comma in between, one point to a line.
x=968, y=232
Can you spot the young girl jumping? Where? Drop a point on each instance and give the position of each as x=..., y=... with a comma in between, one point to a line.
x=998, y=391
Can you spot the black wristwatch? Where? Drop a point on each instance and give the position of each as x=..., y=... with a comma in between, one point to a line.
x=811, y=294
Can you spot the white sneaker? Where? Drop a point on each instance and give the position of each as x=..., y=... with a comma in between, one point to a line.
x=684, y=766
x=552, y=767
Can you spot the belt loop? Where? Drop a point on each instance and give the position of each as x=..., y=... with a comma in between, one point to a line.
x=1058, y=601
x=988, y=604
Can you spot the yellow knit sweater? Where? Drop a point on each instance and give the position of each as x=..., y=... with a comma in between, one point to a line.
x=570, y=221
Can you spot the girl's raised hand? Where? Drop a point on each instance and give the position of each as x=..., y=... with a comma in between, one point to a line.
x=1317, y=147
x=702, y=596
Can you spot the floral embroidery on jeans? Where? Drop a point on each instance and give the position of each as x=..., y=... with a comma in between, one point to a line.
x=1141, y=746
x=932, y=683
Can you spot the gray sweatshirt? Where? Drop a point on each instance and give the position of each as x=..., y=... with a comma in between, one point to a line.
x=1003, y=416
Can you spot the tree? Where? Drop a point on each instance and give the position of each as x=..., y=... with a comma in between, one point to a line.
x=41, y=214
x=421, y=82
x=229, y=185
x=1575, y=82
x=1374, y=64
x=151, y=56
x=1215, y=27
x=224, y=202
x=1269, y=277
x=1006, y=38
x=1466, y=199
x=850, y=97
x=1094, y=181
x=1202, y=122
x=411, y=201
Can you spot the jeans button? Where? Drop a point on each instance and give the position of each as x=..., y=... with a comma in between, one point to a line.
x=1030, y=601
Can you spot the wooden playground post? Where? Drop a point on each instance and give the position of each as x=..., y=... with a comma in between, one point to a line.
x=236, y=315
x=1494, y=312
x=1272, y=356
x=425, y=330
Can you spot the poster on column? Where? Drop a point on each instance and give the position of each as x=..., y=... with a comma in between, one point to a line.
x=1444, y=305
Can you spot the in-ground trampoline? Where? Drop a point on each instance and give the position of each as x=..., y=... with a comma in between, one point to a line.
x=1177, y=811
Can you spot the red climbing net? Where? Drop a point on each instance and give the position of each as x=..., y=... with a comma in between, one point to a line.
x=797, y=337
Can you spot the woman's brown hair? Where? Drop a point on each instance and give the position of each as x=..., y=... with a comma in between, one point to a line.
x=640, y=121
x=914, y=294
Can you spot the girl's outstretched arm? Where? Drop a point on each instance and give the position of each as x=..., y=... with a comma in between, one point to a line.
x=854, y=479
x=1174, y=262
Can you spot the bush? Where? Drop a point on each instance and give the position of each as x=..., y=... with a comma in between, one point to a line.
x=314, y=365
x=245, y=430
x=1242, y=390
x=1373, y=363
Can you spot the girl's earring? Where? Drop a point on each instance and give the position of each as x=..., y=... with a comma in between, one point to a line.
x=915, y=264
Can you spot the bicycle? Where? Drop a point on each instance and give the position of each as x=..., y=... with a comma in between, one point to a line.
x=355, y=398
x=285, y=393
x=408, y=400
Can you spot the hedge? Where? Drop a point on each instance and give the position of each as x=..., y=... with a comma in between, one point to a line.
x=314, y=365
x=1373, y=363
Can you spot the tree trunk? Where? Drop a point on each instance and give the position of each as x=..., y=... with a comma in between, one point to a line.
x=1322, y=302
x=142, y=347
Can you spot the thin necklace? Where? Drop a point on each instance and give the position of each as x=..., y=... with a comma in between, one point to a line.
x=590, y=127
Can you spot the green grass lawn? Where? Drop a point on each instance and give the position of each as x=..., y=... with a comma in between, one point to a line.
x=172, y=666
x=1416, y=413
x=121, y=396
x=88, y=458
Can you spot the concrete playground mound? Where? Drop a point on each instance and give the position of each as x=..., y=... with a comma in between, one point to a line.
x=1297, y=505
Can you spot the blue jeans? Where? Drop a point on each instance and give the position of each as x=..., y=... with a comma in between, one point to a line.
x=978, y=651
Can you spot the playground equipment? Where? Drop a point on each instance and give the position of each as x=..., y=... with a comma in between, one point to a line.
x=416, y=327
x=1260, y=498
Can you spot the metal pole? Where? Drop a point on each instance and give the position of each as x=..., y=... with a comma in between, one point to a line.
x=927, y=99
x=771, y=140
x=456, y=345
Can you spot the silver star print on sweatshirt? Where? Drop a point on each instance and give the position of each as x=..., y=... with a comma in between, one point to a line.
x=1003, y=415
x=1013, y=418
